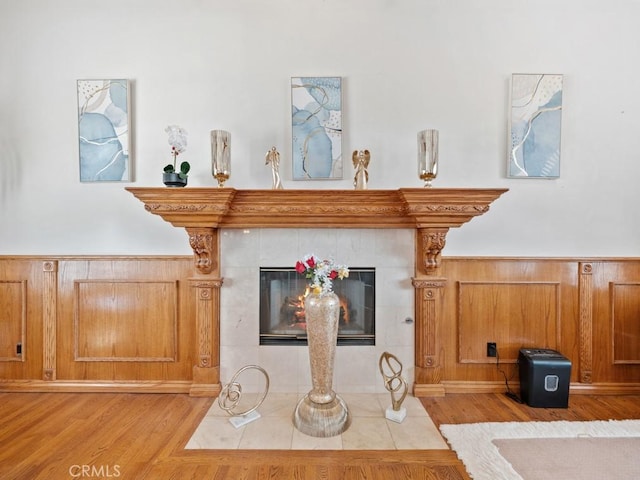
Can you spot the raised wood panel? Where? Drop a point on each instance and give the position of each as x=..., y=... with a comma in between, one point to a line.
x=13, y=318
x=511, y=314
x=553, y=283
x=625, y=315
x=144, y=308
x=28, y=273
x=615, y=315
x=123, y=321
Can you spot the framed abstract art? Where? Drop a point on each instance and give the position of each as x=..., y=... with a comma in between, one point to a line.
x=104, y=130
x=535, y=126
x=316, y=123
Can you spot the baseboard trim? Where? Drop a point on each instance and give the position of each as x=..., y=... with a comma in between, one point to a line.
x=574, y=388
x=88, y=386
x=605, y=389
x=205, y=390
x=428, y=390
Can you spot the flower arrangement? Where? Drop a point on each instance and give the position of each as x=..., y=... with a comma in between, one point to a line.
x=321, y=273
x=178, y=142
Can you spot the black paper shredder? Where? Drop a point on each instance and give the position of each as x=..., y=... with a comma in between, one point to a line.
x=544, y=378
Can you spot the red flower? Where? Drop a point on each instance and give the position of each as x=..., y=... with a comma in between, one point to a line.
x=300, y=267
x=333, y=274
x=311, y=262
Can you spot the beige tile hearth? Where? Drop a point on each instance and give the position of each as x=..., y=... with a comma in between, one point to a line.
x=369, y=429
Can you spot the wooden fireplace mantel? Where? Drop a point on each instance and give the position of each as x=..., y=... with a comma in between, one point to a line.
x=430, y=211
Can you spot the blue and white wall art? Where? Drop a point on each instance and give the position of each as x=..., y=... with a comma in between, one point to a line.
x=103, y=130
x=316, y=121
x=536, y=114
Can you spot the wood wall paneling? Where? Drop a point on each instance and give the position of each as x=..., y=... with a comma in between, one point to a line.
x=515, y=302
x=124, y=321
x=615, y=324
x=625, y=319
x=24, y=306
x=511, y=314
x=149, y=323
x=13, y=314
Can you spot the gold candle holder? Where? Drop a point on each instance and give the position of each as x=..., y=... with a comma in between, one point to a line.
x=427, y=156
x=220, y=156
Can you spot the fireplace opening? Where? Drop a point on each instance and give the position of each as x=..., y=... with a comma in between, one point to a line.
x=282, y=319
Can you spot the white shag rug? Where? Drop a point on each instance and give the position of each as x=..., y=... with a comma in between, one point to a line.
x=473, y=443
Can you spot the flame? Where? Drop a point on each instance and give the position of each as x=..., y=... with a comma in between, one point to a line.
x=300, y=317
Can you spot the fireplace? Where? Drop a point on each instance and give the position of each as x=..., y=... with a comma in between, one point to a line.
x=282, y=317
x=410, y=279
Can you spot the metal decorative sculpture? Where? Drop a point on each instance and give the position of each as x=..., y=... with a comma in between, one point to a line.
x=273, y=158
x=360, y=161
x=395, y=384
x=231, y=394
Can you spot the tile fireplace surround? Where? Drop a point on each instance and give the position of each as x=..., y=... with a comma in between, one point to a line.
x=356, y=367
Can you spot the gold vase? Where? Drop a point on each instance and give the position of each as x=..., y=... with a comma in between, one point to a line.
x=322, y=413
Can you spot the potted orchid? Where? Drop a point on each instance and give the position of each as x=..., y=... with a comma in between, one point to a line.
x=178, y=141
x=321, y=273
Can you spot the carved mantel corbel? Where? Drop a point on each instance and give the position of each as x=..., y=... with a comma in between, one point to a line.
x=204, y=243
x=431, y=241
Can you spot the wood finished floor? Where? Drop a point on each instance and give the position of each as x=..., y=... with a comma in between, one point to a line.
x=58, y=436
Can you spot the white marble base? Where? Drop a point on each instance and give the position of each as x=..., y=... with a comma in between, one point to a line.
x=241, y=420
x=395, y=416
x=369, y=429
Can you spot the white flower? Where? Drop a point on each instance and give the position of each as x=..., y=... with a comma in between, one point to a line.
x=177, y=138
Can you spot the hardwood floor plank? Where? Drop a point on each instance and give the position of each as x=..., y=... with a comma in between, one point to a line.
x=454, y=408
x=43, y=436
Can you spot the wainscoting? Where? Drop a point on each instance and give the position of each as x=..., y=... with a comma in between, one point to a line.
x=128, y=323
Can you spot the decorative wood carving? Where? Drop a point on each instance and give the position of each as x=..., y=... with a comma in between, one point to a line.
x=204, y=243
x=230, y=208
x=429, y=294
x=585, y=288
x=207, y=371
x=430, y=245
x=202, y=210
x=49, y=318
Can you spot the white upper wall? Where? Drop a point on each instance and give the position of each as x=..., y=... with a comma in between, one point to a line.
x=406, y=65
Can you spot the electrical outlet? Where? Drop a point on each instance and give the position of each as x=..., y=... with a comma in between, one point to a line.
x=492, y=349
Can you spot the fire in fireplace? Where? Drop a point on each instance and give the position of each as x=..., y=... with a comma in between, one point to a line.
x=282, y=317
